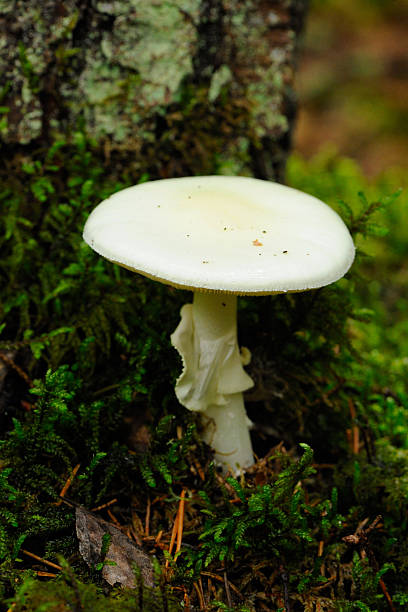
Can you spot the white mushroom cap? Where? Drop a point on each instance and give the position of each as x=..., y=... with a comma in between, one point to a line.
x=222, y=233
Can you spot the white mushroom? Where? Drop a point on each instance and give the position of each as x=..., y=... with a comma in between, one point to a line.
x=220, y=237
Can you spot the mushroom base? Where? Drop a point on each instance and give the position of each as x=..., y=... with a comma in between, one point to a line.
x=226, y=430
x=213, y=378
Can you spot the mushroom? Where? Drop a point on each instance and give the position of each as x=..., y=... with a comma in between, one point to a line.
x=220, y=236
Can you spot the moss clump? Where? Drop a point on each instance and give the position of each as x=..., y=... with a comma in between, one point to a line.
x=68, y=592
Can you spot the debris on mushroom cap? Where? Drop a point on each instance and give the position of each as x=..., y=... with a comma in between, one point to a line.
x=167, y=229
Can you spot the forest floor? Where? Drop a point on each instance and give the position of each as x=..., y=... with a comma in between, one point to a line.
x=353, y=85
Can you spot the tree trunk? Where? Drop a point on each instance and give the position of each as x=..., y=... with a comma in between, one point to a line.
x=179, y=87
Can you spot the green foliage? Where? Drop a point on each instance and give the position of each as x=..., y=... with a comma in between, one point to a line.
x=28, y=69
x=158, y=466
x=270, y=518
x=70, y=591
x=47, y=273
x=273, y=521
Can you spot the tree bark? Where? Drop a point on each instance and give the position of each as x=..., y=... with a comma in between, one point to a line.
x=180, y=87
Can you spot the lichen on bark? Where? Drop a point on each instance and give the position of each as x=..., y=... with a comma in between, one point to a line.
x=208, y=77
x=139, y=64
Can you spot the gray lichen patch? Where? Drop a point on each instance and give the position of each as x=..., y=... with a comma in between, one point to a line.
x=137, y=67
x=220, y=78
x=7, y=6
x=261, y=60
x=29, y=31
x=181, y=82
x=110, y=62
x=156, y=40
x=30, y=125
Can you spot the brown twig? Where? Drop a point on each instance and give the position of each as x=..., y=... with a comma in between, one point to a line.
x=147, y=519
x=103, y=506
x=136, y=537
x=180, y=521
x=355, y=434
x=186, y=597
x=172, y=538
x=113, y=518
x=199, y=470
x=159, y=499
x=320, y=551
x=220, y=579
x=37, y=558
x=320, y=587
x=360, y=539
x=11, y=364
x=387, y=595
x=67, y=484
x=227, y=590
x=186, y=600
x=177, y=530
x=200, y=595
x=47, y=574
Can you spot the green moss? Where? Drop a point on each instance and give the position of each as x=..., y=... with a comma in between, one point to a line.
x=68, y=590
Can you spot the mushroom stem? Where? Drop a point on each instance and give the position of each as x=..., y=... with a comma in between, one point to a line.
x=226, y=430
x=213, y=378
